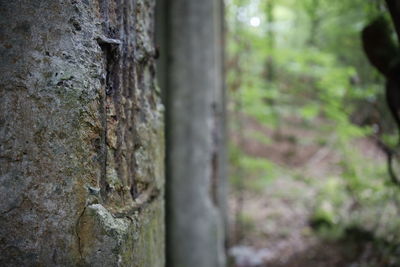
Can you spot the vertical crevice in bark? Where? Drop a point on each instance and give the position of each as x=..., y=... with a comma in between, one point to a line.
x=215, y=170
x=110, y=48
x=103, y=133
x=77, y=232
x=123, y=103
x=119, y=102
x=214, y=179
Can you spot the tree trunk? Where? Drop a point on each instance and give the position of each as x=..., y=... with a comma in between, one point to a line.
x=313, y=9
x=81, y=134
x=269, y=11
x=195, y=127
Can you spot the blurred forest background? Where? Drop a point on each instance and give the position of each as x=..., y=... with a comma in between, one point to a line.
x=309, y=183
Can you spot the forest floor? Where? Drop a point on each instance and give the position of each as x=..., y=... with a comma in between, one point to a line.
x=275, y=227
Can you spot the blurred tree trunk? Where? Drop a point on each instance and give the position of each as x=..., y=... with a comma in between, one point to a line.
x=269, y=10
x=195, y=132
x=313, y=11
x=81, y=133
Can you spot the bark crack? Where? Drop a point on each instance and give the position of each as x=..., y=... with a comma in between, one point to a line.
x=110, y=48
x=77, y=232
x=143, y=200
x=14, y=207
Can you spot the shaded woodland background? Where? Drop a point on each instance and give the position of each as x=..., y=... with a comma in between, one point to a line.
x=309, y=181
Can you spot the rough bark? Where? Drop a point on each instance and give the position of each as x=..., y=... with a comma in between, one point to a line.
x=81, y=134
x=195, y=139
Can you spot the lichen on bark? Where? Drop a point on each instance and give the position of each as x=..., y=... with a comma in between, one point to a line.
x=81, y=133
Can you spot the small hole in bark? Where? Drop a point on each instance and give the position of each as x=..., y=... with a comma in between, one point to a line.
x=133, y=191
x=76, y=24
x=109, y=91
x=108, y=188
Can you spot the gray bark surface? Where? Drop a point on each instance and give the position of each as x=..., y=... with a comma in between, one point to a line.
x=81, y=135
x=194, y=134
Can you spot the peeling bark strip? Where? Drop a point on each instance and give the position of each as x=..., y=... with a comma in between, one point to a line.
x=125, y=102
x=81, y=135
x=110, y=48
x=118, y=179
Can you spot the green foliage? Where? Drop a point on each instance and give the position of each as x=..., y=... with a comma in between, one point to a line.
x=323, y=82
x=251, y=172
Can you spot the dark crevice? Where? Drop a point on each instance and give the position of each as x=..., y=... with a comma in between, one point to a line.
x=146, y=198
x=77, y=232
x=103, y=135
x=110, y=49
x=215, y=172
x=214, y=178
x=134, y=191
